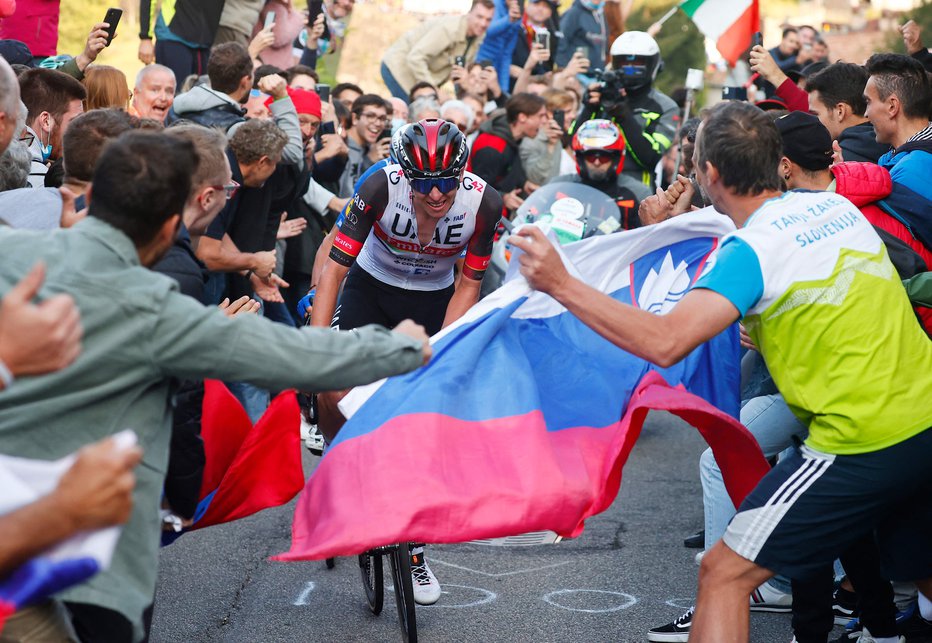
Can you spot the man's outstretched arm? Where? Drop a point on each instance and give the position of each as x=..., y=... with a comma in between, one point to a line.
x=661, y=339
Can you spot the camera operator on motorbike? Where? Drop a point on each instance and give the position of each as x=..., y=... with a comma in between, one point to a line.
x=599, y=147
x=626, y=96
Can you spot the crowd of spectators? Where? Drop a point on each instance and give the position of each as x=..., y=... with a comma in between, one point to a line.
x=238, y=162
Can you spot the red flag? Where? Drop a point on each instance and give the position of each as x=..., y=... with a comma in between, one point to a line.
x=249, y=468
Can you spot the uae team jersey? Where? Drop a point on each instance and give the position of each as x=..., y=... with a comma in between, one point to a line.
x=379, y=233
x=821, y=299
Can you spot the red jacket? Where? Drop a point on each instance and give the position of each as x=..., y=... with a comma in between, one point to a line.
x=795, y=98
x=866, y=183
x=35, y=22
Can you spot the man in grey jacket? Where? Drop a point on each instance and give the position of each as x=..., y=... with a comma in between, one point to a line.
x=139, y=333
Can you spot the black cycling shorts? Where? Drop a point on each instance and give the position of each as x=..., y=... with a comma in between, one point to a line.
x=366, y=300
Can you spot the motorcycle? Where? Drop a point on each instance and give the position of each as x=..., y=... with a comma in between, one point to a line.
x=569, y=211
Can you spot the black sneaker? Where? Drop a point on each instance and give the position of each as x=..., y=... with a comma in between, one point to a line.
x=844, y=606
x=696, y=541
x=673, y=632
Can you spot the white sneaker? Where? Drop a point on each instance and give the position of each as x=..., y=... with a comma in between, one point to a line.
x=867, y=638
x=312, y=437
x=699, y=556
x=767, y=599
x=426, y=587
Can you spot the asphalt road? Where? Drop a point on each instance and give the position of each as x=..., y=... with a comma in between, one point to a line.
x=627, y=572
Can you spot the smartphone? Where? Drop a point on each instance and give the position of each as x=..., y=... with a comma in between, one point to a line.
x=460, y=61
x=582, y=51
x=758, y=39
x=542, y=38
x=112, y=18
x=314, y=9
x=327, y=127
x=560, y=117
x=386, y=133
x=734, y=93
x=323, y=91
x=269, y=20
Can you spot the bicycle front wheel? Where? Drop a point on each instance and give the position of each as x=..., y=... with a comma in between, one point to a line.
x=404, y=592
x=370, y=567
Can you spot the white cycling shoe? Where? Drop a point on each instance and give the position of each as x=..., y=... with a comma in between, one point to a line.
x=425, y=584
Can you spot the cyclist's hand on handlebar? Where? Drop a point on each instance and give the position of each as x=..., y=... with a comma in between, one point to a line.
x=416, y=331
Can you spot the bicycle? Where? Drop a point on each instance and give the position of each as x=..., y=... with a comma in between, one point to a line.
x=370, y=567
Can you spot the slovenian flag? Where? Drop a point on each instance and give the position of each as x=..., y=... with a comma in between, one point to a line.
x=730, y=23
x=524, y=417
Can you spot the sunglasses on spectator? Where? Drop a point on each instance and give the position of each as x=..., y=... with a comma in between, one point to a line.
x=230, y=188
x=424, y=186
x=27, y=139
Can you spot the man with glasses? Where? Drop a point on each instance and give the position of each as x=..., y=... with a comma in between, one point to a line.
x=366, y=139
x=405, y=230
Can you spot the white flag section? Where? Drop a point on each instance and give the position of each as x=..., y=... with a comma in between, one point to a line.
x=24, y=481
x=595, y=261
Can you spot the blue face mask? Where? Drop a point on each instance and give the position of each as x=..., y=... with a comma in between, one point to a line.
x=46, y=149
x=397, y=124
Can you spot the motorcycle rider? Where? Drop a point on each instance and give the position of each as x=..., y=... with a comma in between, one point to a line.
x=626, y=96
x=599, y=146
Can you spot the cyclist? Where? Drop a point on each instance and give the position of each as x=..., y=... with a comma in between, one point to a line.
x=397, y=247
x=599, y=147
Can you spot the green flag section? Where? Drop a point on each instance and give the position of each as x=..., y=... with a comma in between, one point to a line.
x=730, y=23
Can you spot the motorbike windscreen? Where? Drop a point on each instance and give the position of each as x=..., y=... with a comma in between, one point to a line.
x=572, y=211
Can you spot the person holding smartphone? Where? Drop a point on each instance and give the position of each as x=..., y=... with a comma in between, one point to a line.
x=539, y=19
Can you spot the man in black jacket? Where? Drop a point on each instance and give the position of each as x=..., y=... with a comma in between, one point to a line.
x=495, y=156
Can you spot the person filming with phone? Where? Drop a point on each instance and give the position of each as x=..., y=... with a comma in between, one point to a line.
x=428, y=51
x=626, y=96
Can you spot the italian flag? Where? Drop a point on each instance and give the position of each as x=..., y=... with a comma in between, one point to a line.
x=730, y=23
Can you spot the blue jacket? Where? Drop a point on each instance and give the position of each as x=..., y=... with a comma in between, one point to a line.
x=910, y=202
x=499, y=43
x=583, y=27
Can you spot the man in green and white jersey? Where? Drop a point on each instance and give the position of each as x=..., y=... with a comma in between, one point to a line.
x=819, y=296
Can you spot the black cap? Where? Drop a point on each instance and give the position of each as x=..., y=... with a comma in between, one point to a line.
x=16, y=52
x=806, y=142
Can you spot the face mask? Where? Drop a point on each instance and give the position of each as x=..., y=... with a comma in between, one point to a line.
x=47, y=149
x=397, y=124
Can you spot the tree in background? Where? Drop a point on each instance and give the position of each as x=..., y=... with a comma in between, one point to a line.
x=681, y=44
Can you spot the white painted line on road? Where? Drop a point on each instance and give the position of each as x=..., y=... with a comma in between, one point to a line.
x=305, y=595
x=488, y=597
x=681, y=603
x=629, y=600
x=433, y=559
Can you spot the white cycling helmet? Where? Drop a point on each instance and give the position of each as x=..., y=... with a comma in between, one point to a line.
x=636, y=55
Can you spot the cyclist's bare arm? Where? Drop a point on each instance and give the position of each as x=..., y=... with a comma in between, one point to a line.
x=478, y=254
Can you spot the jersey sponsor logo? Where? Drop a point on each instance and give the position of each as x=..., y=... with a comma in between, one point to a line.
x=470, y=183
x=476, y=263
x=458, y=217
x=360, y=204
x=347, y=245
x=395, y=177
x=414, y=246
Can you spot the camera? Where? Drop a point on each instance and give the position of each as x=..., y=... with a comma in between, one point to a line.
x=611, y=84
